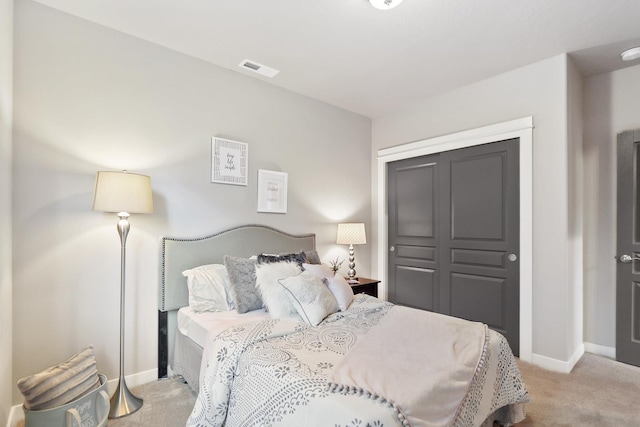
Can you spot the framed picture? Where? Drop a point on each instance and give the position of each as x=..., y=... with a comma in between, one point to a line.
x=229, y=161
x=272, y=191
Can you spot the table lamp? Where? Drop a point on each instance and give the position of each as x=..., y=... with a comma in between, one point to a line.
x=351, y=233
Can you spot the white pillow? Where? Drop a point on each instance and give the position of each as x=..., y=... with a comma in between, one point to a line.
x=340, y=289
x=319, y=270
x=311, y=298
x=208, y=287
x=273, y=295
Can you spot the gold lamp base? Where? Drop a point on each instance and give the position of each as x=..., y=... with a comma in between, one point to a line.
x=123, y=402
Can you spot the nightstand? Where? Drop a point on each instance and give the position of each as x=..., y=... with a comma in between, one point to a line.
x=366, y=286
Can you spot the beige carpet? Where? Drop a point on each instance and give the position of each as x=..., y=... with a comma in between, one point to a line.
x=598, y=392
x=167, y=403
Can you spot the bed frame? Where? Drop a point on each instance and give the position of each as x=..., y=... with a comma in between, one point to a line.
x=179, y=254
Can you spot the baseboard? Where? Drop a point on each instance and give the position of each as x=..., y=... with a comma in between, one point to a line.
x=600, y=350
x=558, y=365
x=16, y=415
x=134, y=380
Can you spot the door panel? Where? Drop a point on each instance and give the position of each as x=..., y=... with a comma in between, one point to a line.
x=477, y=202
x=475, y=297
x=628, y=243
x=417, y=287
x=413, y=218
x=426, y=253
x=415, y=215
x=463, y=208
x=478, y=258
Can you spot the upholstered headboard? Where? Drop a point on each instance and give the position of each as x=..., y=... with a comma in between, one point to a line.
x=179, y=254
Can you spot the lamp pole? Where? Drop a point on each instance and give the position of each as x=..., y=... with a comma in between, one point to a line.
x=123, y=402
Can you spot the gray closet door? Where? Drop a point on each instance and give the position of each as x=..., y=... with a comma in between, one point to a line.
x=454, y=235
x=628, y=244
x=413, y=232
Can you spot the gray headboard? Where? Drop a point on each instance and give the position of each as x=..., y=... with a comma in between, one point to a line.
x=179, y=254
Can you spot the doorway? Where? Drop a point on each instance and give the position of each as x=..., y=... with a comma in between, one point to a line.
x=522, y=129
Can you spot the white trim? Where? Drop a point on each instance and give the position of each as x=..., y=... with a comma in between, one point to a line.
x=559, y=365
x=16, y=415
x=601, y=350
x=134, y=380
x=519, y=128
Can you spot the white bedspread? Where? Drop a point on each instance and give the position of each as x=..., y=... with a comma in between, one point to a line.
x=199, y=326
x=426, y=386
x=276, y=373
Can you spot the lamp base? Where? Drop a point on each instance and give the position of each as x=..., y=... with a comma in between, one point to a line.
x=123, y=402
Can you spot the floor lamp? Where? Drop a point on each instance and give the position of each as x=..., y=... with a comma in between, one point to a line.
x=351, y=233
x=124, y=193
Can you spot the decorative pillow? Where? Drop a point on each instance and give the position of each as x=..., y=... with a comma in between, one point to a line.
x=273, y=295
x=209, y=288
x=340, y=289
x=312, y=299
x=62, y=383
x=242, y=276
x=312, y=257
x=319, y=270
x=297, y=257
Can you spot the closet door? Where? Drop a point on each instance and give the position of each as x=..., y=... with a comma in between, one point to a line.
x=454, y=235
x=413, y=232
x=479, y=243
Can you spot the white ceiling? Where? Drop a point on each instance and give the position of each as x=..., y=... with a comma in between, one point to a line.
x=373, y=62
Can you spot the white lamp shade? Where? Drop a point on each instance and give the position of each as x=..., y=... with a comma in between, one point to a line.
x=351, y=233
x=122, y=192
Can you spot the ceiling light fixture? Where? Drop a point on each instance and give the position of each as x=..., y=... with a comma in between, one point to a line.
x=631, y=54
x=384, y=4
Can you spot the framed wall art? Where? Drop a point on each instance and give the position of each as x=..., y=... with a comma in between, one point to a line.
x=229, y=161
x=272, y=191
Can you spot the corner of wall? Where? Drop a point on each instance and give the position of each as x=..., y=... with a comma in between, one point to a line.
x=16, y=416
x=575, y=206
x=556, y=365
x=6, y=124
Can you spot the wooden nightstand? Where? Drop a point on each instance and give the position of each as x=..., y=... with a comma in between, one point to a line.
x=366, y=286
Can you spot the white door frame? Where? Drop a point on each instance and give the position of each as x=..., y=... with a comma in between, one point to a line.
x=519, y=128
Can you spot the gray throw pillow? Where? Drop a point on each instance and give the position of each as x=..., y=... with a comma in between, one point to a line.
x=242, y=275
x=312, y=257
x=297, y=257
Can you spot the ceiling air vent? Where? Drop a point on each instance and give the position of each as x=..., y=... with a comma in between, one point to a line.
x=258, y=68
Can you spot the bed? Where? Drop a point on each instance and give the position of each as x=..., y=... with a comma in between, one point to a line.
x=365, y=363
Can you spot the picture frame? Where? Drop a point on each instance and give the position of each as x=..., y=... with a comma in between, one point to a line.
x=272, y=191
x=229, y=161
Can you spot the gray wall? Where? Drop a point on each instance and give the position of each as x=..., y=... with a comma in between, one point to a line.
x=575, y=195
x=88, y=98
x=611, y=105
x=6, y=108
x=539, y=90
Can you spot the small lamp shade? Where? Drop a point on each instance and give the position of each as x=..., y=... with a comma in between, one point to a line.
x=122, y=192
x=351, y=233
